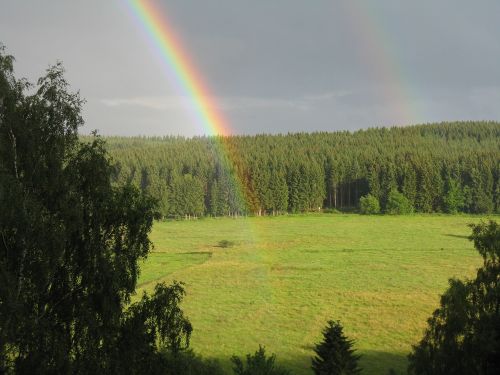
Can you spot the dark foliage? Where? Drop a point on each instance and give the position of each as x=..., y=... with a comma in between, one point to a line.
x=188, y=363
x=335, y=354
x=225, y=244
x=70, y=242
x=258, y=364
x=149, y=330
x=463, y=335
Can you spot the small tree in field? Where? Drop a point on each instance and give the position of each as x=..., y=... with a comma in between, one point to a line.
x=369, y=205
x=335, y=355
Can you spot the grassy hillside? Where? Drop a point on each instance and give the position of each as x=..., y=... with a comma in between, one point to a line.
x=285, y=276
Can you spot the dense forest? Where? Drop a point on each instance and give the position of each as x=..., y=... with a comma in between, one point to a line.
x=445, y=167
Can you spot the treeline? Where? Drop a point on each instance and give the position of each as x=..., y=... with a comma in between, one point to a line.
x=446, y=167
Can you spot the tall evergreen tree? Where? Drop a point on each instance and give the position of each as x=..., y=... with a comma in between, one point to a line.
x=454, y=199
x=409, y=182
x=480, y=201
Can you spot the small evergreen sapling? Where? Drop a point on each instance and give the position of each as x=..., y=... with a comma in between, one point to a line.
x=258, y=364
x=335, y=355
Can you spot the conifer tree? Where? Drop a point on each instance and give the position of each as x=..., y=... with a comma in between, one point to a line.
x=335, y=354
x=258, y=364
x=321, y=169
x=454, y=198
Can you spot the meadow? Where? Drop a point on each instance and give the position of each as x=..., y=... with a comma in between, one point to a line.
x=281, y=278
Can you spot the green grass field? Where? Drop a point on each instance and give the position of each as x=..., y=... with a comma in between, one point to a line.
x=285, y=276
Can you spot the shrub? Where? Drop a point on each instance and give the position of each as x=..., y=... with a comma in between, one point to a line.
x=398, y=204
x=369, y=205
x=258, y=364
x=335, y=355
x=225, y=244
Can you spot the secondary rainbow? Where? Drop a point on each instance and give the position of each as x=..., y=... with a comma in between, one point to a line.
x=379, y=51
x=179, y=66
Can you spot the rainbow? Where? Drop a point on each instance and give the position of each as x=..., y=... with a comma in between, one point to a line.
x=374, y=43
x=181, y=70
x=179, y=65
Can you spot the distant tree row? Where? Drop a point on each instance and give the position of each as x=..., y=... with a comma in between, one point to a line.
x=446, y=167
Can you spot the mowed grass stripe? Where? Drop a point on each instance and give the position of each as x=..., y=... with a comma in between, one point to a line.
x=286, y=276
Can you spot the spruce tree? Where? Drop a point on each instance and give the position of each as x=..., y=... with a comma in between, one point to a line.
x=322, y=169
x=454, y=199
x=335, y=354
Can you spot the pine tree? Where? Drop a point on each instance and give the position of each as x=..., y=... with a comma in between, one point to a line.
x=335, y=355
x=258, y=364
x=481, y=201
x=454, y=199
x=409, y=183
x=311, y=170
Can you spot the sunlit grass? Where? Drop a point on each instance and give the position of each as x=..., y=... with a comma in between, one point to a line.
x=284, y=277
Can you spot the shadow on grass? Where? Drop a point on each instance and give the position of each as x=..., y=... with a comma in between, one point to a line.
x=378, y=362
x=457, y=236
x=209, y=253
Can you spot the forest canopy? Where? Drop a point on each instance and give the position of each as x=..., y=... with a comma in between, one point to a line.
x=445, y=167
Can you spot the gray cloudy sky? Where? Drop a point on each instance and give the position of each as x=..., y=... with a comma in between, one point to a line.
x=272, y=65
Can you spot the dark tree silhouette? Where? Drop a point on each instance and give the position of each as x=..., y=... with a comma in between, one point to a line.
x=335, y=354
x=70, y=242
x=463, y=334
x=258, y=364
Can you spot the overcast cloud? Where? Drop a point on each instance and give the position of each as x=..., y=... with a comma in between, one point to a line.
x=271, y=65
